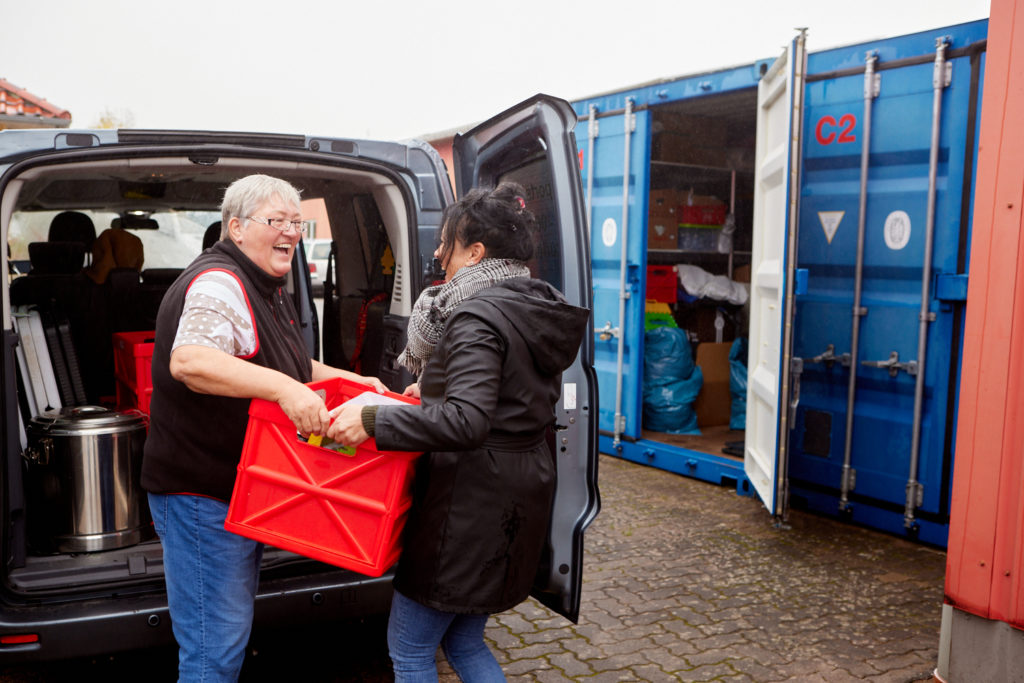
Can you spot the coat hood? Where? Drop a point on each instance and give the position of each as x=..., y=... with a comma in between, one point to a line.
x=552, y=327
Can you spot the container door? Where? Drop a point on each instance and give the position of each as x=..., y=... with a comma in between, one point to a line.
x=615, y=161
x=779, y=94
x=534, y=144
x=885, y=216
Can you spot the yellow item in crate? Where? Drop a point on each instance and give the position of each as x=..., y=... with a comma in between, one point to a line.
x=652, y=306
x=657, y=314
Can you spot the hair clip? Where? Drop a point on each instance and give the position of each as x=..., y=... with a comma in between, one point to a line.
x=522, y=202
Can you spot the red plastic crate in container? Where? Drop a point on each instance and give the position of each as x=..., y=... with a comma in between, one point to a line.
x=133, y=368
x=661, y=284
x=705, y=214
x=344, y=509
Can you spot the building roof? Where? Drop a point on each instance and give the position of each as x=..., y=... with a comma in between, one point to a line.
x=21, y=109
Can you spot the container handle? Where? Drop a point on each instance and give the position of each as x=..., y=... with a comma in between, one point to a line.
x=40, y=454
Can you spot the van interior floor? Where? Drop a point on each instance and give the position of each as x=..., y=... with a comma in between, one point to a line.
x=710, y=440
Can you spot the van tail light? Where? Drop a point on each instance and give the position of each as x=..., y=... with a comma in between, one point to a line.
x=19, y=638
x=312, y=268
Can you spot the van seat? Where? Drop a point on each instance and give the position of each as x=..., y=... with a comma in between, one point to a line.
x=155, y=282
x=56, y=258
x=73, y=226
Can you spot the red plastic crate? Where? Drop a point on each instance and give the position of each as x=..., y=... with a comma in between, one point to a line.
x=661, y=284
x=346, y=510
x=704, y=214
x=133, y=368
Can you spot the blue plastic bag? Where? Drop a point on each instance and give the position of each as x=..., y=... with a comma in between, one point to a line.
x=738, y=383
x=671, y=382
x=668, y=355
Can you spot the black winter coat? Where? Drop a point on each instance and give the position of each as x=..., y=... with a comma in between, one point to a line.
x=483, y=490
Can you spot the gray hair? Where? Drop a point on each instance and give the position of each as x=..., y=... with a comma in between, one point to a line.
x=246, y=195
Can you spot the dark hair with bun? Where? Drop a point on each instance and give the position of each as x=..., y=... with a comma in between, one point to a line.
x=496, y=218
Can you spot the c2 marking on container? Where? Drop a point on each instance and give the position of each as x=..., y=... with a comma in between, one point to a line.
x=846, y=124
x=897, y=230
x=609, y=232
x=830, y=222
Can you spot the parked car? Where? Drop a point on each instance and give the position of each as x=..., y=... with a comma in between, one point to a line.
x=318, y=249
x=81, y=571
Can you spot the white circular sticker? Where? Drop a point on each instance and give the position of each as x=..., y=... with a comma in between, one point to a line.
x=609, y=232
x=897, y=230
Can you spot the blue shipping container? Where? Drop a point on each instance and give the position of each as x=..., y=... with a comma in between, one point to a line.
x=848, y=175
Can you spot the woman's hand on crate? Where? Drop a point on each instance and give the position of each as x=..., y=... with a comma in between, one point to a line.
x=347, y=426
x=304, y=407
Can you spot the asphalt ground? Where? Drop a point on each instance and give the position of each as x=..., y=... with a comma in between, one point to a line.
x=683, y=581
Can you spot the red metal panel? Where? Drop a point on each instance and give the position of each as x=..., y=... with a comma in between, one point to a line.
x=985, y=561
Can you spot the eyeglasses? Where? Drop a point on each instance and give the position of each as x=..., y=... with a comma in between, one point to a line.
x=281, y=224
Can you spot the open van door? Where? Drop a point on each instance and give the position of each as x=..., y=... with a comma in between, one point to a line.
x=772, y=286
x=534, y=145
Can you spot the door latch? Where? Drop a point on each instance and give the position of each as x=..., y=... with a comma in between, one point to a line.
x=607, y=332
x=893, y=364
x=828, y=357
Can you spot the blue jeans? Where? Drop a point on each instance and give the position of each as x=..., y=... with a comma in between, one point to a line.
x=415, y=631
x=211, y=577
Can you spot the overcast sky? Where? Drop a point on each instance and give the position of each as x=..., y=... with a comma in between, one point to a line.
x=395, y=68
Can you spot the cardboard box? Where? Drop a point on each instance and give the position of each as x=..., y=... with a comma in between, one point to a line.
x=714, y=402
x=663, y=201
x=662, y=231
x=741, y=273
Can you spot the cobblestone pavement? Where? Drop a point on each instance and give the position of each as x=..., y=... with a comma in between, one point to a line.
x=687, y=581
x=683, y=581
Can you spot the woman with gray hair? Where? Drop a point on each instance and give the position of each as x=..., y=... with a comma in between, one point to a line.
x=225, y=333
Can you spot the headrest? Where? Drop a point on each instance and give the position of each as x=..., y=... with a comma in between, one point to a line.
x=212, y=235
x=72, y=226
x=115, y=248
x=56, y=258
x=160, y=276
x=130, y=222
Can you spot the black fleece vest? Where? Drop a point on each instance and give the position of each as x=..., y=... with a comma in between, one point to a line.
x=195, y=440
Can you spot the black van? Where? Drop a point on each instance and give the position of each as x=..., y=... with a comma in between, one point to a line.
x=81, y=571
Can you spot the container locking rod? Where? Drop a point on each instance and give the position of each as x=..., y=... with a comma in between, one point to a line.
x=871, y=90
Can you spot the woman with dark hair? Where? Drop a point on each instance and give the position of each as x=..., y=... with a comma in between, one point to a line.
x=488, y=347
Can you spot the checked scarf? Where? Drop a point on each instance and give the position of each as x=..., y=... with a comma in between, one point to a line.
x=435, y=305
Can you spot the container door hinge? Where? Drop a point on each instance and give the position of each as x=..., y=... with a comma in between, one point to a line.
x=943, y=75
x=872, y=79
x=796, y=366
x=942, y=72
x=849, y=481
x=915, y=494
